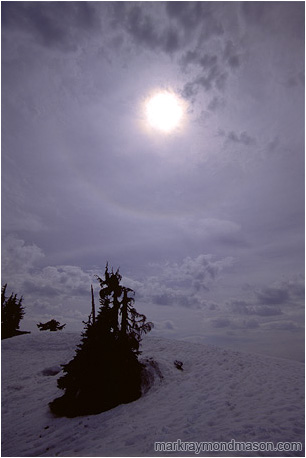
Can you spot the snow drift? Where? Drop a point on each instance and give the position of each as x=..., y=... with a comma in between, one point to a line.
x=220, y=395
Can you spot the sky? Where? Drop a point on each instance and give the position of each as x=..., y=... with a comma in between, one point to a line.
x=205, y=222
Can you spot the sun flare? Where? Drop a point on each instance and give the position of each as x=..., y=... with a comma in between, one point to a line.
x=164, y=111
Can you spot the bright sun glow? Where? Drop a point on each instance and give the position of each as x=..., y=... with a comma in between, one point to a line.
x=164, y=111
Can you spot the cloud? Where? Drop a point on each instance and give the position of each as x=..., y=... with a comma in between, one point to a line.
x=204, y=61
x=56, y=25
x=255, y=12
x=230, y=55
x=224, y=231
x=186, y=27
x=244, y=308
x=179, y=284
x=195, y=15
x=144, y=25
x=19, y=257
x=295, y=80
x=273, y=300
x=211, y=78
x=183, y=284
x=221, y=323
x=275, y=17
x=208, y=69
x=172, y=297
x=197, y=272
x=285, y=326
x=263, y=310
x=291, y=291
x=273, y=296
x=215, y=103
x=58, y=280
x=251, y=324
x=184, y=34
x=243, y=138
x=141, y=28
x=167, y=325
x=239, y=306
x=231, y=322
x=46, y=289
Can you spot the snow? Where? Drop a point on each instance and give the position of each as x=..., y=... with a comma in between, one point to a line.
x=219, y=395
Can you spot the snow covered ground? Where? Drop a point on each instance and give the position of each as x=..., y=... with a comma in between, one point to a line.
x=219, y=396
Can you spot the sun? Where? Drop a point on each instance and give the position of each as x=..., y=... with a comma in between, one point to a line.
x=164, y=111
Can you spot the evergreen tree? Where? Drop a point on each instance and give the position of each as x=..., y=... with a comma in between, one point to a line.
x=105, y=370
x=12, y=311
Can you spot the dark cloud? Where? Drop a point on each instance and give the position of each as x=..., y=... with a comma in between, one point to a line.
x=172, y=297
x=295, y=80
x=251, y=324
x=296, y=287
x=56, y=25
x=171, y=40
x=230, y=55
x=243, y=138
x=215, y=103
x=285, y=292
x=212, y=78
x=211, y=70
x=145, y=24
x=145, y=28
x=273, y=300
x=263, y=310
x=31, y=287
x=255, y=12
x=277, y=17
x=211, y=74
x=273, y=296
x=186, y=13
x=193, y=15
x=239, y=306
x=205, y=61
x=286, y=326
x=190, y=26
x=246, y=308
x=221, y=323
x=142, y=28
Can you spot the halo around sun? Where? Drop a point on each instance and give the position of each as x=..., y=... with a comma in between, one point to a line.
x=164, y=111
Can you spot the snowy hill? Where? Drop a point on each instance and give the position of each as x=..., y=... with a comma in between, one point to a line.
x=221, y=395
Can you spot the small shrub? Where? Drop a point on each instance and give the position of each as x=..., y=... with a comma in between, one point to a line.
x=51, y=325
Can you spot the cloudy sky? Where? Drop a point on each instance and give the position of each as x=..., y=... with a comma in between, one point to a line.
x=207, y=221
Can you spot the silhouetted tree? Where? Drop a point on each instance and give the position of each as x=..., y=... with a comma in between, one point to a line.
x=12, y=311
x=105, y=370
x=51, y=325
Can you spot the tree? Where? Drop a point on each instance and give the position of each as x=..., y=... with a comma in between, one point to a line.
x=51, y=325
x=105, y=370
x=12, y=311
